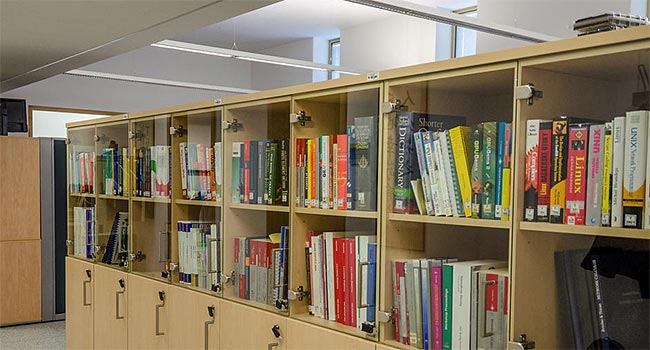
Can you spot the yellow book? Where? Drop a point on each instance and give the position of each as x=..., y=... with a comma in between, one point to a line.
x=505, y=195
x=607, y=173
x=460, y=137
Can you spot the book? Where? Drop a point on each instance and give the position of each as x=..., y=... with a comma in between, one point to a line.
x=424, y=173
x=406, y=163
x=576, y=192
x=236, y=161
x=544, y=173
x=492, y=309
x=646, y=220
x=364, y=159
x=595, y=167
x=443, y=180
x=531, y=186
x=434, y=174
x=605, y=212
x=489, y=165
x=450, y=174
x=447, y=303
x=618, y=157
x=460, y=138
x=477, y=170
x=507, y=165
x=634, y=165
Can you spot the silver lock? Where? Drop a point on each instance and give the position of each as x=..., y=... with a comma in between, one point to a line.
x=298, y=294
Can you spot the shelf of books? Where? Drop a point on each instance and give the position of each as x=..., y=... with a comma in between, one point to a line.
x=581, y=240
x=446, y=223
x=334, y=223
x=81, y=189
x=196, y=214
x=256, y=214
x=150, y=185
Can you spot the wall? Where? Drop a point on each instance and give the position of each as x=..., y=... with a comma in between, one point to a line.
x=52, y=124
x=269, y=76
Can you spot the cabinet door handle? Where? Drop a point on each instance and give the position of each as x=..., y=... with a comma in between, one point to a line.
x=211, y=269
x=161, y=296
x=85, y=290
x=207, y=326
x=273, y=345
x=117, y=305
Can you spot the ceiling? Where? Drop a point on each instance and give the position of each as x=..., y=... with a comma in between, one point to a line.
x=39, y=39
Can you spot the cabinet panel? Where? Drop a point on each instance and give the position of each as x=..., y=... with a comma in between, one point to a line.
x=20, y=273
x=110, y=308
x=301, y=336
x=79, y=304
x=246, y=328
x=383, y=347
x=188, y=313
x=144, y=296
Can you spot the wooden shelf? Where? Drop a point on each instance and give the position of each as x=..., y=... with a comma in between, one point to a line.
x=341, y=213
x=79, y=194
x=256, y=305
x=261, y=207
x=151, y=200
x=110, y=196
x=585, y=230
x=333, y=325
x=151, y=275
x=398, y=345
x=198, y=202
x=452, y=221
x=199, y=289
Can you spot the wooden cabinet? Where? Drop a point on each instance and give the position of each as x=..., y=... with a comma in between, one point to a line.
x=110, y=297
x=190, y=323
x=148, y=313
x=384, y=347
x=302, y=336
x=79, y=304
x=244, y=327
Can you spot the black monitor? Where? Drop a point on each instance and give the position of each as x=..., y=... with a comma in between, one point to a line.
x=13, y=116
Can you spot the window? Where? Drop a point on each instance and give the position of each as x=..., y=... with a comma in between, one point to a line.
x=335, y=57
x=463, y=41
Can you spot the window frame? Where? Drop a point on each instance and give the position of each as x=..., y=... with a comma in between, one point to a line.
x=331, y=43
x=454, y=28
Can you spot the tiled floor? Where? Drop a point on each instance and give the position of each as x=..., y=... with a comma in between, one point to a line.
x=48, y=335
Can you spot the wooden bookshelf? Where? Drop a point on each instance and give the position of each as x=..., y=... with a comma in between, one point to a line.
x=261, y=207
x=79, y=194
x=151, y=200
x=110, y=196
x=586, y=230
x=341, y=213
x=332, y=325
x=452, y=221
x=198, y=202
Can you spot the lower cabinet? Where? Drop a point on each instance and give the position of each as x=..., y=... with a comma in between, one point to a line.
x=79, y=304
x=301, y=336
x=110, y=307
x=385, y=347
x=193, y=320
x=148, y=313
x=243, y=327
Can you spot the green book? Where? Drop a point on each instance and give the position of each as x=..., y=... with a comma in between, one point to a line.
x=476, y=171
x=489, y=163
x=447, y=293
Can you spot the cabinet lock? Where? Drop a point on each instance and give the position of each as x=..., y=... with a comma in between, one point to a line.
x=138, y=256
x=233, y=125
x=228, y=279
x=276, y=331
x=298, y=294
x=178, y=131
x=528, y=92
x=389, y=107
x=69, y=242
x=368, y=327
x=300, y=118
x=121, y=283
x=522, y=344
x=385, y=317
x=135, y=134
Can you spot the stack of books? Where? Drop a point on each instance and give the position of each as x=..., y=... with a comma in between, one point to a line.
x=199, y=254
x=342, y=270
x=201, y=171
x=152, y=172
x=339, y=171
x=260, y=172
x=261, y=272
x=117, y=247
x=82, y=171
x=115, y=174
x=582, y=172
x=84, y=232
x=441, y=303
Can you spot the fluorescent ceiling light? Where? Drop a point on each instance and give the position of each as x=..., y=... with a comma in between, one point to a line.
x=254, y=57
x=152, y=81
x=436, y=15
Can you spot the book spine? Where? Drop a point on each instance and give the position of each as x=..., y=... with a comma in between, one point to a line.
x=352, y=268
x=490, y=137
x=544, y=165
x=618, y=157
x=450, y=174
x=433, y=174
x=507, y=165
x=459, y=137
x=274, y=166
x=442, y=176
x=636, y=157
x=342, y=165
x=498, y=191
x=447, y=302
x=477, y=170
x=403, y=198
x=595, y=175
x=436, y=306
x=410, y=303
x=417, y=291
x=605, y=213
x=324, y=171
x=577, y=175
x=560, y=154
x=261, y=171
x=372, y=282
x=422, y=164
x=235, y=161
x=352, y=168
x=284, y=172
x=218, y=169
x=365, y=162
x=253, y=172
x=531, y=170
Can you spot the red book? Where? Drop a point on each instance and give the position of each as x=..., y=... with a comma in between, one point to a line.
x=91, y=176
x=352, y=263
x=345, y=276
x=338, y=277
x=323, y=269
x=544, y=166
x=314, y=173
x=576, y=191
x=436, y=306
x=247, y=171
x=213, y=179
x=332, y=183
x=401, y=321
x=342, y=172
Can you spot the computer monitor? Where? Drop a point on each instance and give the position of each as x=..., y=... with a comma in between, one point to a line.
x=13, y=116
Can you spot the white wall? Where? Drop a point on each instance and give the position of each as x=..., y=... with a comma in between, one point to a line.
x=52, y=124
x=320, y=55
x=269, y=76
x=393, y=42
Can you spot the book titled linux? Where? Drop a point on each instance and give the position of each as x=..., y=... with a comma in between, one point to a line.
x=406, y=162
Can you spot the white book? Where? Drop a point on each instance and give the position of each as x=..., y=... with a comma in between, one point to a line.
x=424, y=172
x=636, y=138
x=442, y=178
x=316, y=276
x=618, y=155
x=218, y=166
x=417, y=288
x=410, y=301
x=361, y=247
x=403, y=307
x=214, y=249
x=433, y=174
x=446, y=163
x=595, y=156
x=183, y=152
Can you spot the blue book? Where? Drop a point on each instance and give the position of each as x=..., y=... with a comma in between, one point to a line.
x=501, y=131
x=372, y=280
x=254, y=150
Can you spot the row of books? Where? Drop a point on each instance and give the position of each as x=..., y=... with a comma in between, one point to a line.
x=260, y=172
x=449, y=304
x=464, y=171
x=584, y=172
x=342, y=270
x=84, y=232
x=115, y=176
x=339, y=171
x=261, y=272
x=82, y=171
x=117, y=247
x=152, y=172
x=201, y=171
x=199, y=254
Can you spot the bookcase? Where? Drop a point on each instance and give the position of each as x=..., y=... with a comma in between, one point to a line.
x=281, y=214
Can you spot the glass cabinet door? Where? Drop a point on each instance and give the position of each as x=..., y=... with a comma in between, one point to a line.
x=256, y=218
x=151, y=188
x=334, y=241
x=113, y=190
x=197, y=192
x=446, y=190
x=81, y=190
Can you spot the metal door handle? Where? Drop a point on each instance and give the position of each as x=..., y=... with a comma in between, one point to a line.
x=161, y=296
x=207, y=325
x=117, y=305
x=211, y=268
x=85, y=291
x=360, y=266
x=273, y=345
